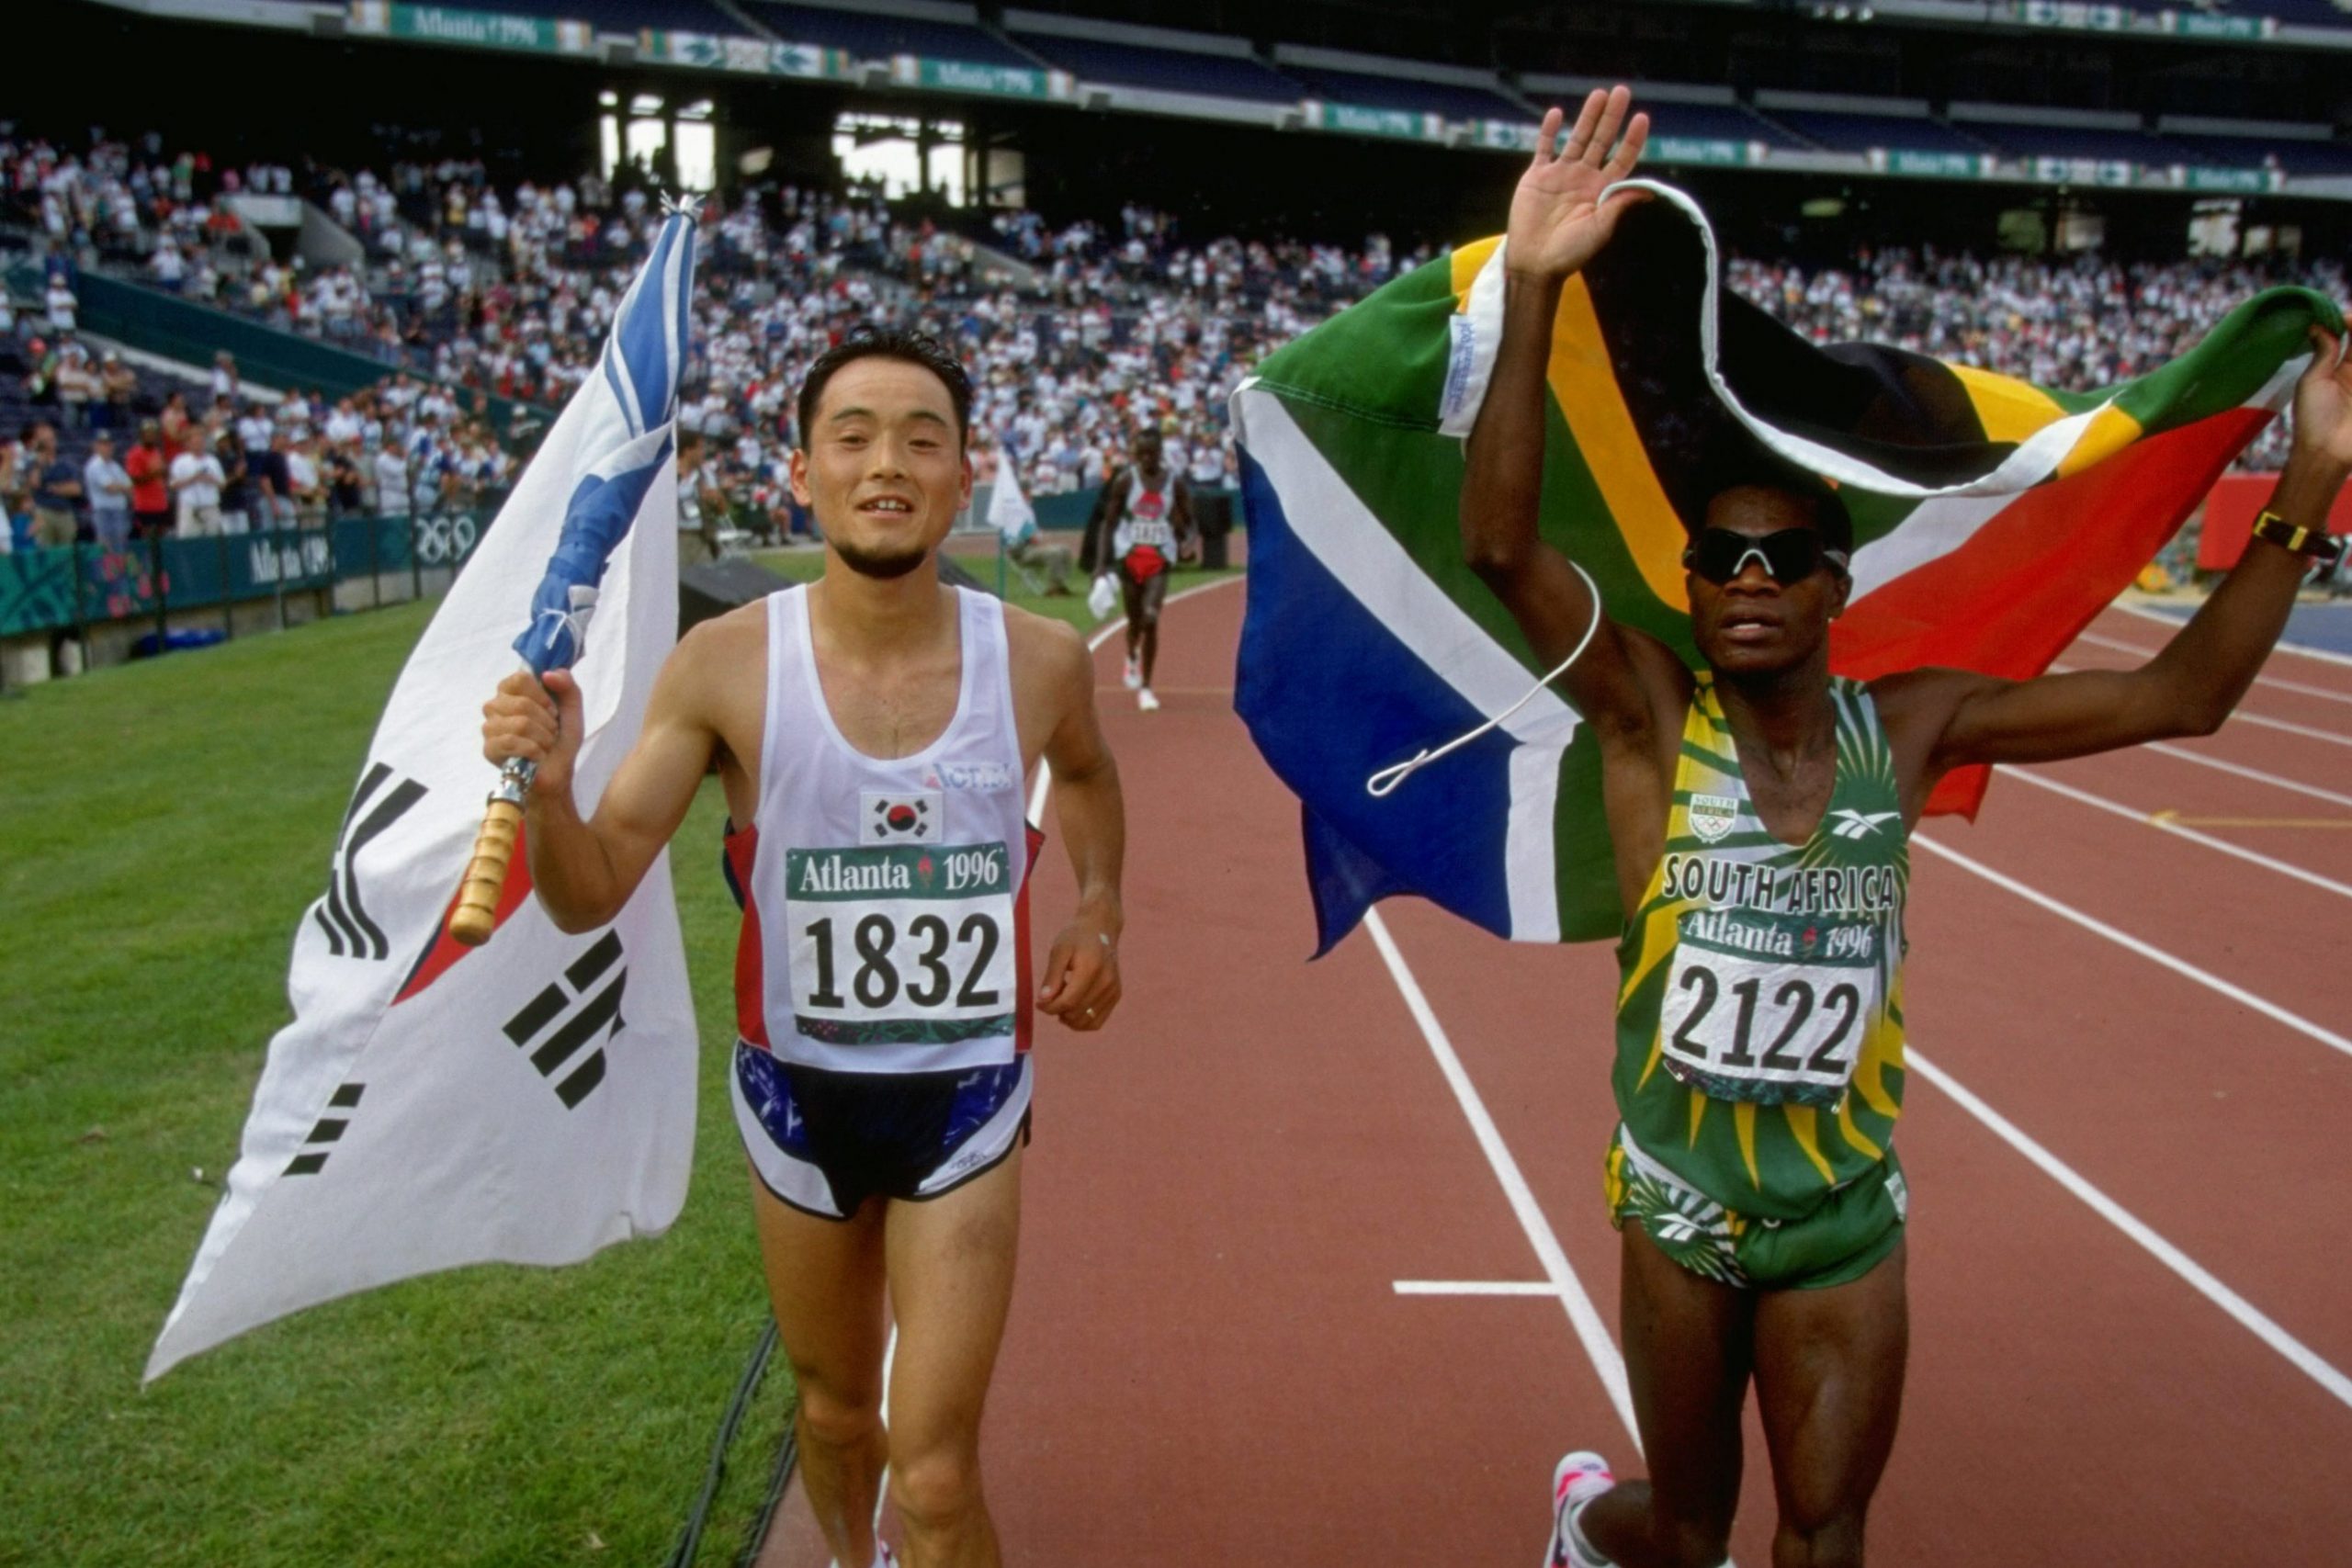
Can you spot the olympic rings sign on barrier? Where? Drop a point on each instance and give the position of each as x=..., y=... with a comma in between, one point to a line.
x=446, y=539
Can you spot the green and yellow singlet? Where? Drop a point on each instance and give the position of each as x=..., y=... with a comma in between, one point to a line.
x=1759, y=1003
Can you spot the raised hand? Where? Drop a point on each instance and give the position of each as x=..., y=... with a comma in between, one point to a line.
x=1558, y=221
x=2324, y=403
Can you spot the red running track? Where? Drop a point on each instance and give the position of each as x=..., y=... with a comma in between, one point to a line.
x=1209, y=1359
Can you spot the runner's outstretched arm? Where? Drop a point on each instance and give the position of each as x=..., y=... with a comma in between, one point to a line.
x=1558, y=222
x=583, y=870
x=2194, y=683
x=1080, y=980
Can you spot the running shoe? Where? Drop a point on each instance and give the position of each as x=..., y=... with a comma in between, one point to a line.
x=1145, y=701
x=1576, y=1481
x=1135, y=672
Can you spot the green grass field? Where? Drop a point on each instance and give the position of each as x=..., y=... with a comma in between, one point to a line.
x=163, y=827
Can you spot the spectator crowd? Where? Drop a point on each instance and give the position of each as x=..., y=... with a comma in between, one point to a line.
x=1074, y=334
x=157, y=456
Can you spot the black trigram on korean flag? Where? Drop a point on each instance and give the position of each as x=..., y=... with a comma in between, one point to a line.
x=350, y=932
x=312, y=1157
x=572, y=1019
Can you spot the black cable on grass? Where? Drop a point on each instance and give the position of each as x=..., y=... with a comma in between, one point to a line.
x=690, y=1537
x=786, y=1454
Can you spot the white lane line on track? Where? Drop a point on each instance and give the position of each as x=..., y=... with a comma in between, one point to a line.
x=1571, y=1293
x=2303, y=730
x=2202, y=761
x=882, y=1486
x=1561, y=1281
x=2161, y=824
x=2240, y=714
x=2119, y=645
x=1093, y=645
x=2181, y=966
x=2303, y=1356
x=2320, y=654
x=1564, y=1284
x=1037, y=798
x=1475, y=1288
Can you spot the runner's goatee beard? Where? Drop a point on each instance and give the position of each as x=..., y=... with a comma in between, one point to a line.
x=867, y=563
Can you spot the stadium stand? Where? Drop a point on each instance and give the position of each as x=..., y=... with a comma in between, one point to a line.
x=2294, y=155
x=1413, y=95
x=1164, y=59
x=1715, y=123
x=1842, y=132
x=2016, y=131
x=627, y=16
x=1164, y=70
x=1125, y=319
x=491, y=261
x=499, y=285
x=2298, y=13
x=870, y=35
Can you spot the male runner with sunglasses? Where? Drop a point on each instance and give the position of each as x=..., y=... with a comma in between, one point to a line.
x=1759, y=809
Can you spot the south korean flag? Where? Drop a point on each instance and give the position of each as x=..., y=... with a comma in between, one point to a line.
x=916, y=818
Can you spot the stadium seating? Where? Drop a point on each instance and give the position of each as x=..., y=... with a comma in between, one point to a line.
x=1860, y=132
x=2078, y=142
x=1164, y=70
x=871, y=36
x=1411, y=94
x=627, y=16
x=1714, y=122
x=2289, y=155
x=2301, y=13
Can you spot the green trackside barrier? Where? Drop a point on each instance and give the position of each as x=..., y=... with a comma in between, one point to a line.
x=80, y=585
x=1068, y=510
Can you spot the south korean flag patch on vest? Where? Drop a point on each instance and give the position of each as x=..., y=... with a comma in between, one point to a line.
x=914, y=818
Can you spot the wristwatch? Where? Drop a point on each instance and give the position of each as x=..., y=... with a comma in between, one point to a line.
x=2317, y=544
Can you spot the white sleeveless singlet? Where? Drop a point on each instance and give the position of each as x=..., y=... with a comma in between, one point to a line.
x=885, y=901
x=1148, y=519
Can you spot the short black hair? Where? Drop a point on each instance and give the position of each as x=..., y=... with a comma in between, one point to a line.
x=888, y=342
x=1816, y=495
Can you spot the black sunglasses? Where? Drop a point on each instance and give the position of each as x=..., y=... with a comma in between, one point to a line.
x=1790, y=555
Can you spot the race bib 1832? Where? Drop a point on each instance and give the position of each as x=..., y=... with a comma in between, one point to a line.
x=1771, y=1008
x=903, y=943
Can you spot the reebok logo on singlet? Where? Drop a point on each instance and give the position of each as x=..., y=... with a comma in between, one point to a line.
x=976, y=778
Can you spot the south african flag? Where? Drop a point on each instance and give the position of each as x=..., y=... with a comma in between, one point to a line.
x=1992, y=519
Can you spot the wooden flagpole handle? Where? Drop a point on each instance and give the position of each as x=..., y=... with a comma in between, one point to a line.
x=475, y=915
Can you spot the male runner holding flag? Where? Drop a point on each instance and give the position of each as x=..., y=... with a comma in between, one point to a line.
x=1759, y=810
x=872, y=732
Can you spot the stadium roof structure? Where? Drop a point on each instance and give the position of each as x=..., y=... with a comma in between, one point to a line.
x=950, y=49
